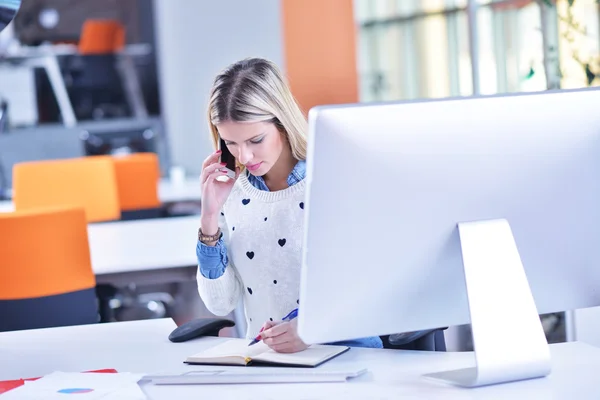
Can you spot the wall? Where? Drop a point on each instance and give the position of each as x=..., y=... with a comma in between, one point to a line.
x=194, y=42
x=320, y=51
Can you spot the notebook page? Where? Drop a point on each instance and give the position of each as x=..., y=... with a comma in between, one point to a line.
x=315, y=354
x=232, y=348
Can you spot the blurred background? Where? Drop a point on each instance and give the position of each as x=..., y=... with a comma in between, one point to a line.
x=114, y=77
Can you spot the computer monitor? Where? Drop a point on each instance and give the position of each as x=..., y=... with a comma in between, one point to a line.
x=119, y=142
x=407, y=202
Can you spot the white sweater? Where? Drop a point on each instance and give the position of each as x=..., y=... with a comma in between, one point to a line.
x=264, y=233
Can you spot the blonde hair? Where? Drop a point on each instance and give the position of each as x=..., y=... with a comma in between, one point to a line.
x=254, y=90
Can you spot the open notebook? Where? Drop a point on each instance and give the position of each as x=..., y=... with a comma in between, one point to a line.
x=237, y=352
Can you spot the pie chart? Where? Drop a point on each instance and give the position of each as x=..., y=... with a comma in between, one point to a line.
x=75, y=390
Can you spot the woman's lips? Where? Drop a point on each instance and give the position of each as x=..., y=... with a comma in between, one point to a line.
x=254, y=167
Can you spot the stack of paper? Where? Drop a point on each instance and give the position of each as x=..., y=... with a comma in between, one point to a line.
x=87, y=386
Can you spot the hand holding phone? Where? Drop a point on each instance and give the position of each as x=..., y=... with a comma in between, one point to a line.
x=218, y=176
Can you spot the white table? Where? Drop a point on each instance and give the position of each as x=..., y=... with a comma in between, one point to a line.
x=168, y=192
x=188, y=189
x=142, y=346
x=145, y=251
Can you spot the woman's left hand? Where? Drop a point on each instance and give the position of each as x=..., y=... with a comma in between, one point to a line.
x=282, y=337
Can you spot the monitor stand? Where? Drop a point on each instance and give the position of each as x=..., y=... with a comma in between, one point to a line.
x=508, y=337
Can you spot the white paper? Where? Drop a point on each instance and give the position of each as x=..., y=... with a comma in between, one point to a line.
x=131, y=392
x=86, y=386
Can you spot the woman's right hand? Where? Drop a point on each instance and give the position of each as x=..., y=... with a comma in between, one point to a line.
x=214, y=192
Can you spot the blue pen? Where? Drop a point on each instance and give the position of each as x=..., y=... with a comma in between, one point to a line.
x=293, y=314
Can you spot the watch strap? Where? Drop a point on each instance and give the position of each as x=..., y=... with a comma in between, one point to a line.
x=209, y=238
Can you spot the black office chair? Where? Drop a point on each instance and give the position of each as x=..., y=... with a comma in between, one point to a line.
x=432, y=340
x=95, y=87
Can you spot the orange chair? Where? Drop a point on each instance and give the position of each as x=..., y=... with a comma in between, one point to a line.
x=101, y=37
x=100, y=41
x=137, y=181
x=46, y=276
x=88, y=182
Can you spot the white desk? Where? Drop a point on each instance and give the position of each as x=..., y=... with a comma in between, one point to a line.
x=142, y=346
x=187, y=190
x=168, y=192
x=145, y=251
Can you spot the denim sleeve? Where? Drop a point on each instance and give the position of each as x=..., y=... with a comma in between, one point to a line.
x=212, y=259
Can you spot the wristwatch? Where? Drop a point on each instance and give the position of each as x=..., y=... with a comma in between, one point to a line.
x=209, y=238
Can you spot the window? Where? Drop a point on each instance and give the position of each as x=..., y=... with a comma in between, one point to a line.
x=412, y=49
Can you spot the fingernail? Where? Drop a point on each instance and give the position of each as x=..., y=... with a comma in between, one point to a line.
x=218, y=151
x=223, y=163
x=262, y=329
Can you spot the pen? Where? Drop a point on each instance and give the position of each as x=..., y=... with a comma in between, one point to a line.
x=293, y=314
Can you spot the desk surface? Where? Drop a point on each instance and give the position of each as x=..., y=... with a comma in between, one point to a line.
x=142, y=346
x=143, y=245
x=172, y=191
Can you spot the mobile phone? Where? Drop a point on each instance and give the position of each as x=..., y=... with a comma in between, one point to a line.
x=228, y=159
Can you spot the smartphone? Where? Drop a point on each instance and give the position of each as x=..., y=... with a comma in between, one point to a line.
x=228, y=159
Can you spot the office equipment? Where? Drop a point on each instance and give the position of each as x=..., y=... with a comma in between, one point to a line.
x=63, y=291
x=118, y=141
x=292, y=375
x=88, y=182
x=480, y=206
x=237, y=352
x=138, y=176
x=102, y=63
x=198, y=328
x=431, y=340
x=137, y=181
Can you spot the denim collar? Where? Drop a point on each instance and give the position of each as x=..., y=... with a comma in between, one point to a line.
x=297, y=174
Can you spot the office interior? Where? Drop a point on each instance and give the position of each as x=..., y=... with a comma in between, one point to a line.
x=127, y=81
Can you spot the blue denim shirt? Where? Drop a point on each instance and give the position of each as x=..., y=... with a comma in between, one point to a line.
x=213, y=260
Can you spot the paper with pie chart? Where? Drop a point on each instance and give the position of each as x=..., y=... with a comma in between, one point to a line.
x=75, y=385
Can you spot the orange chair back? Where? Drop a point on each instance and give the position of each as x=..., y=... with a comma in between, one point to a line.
x=44, y=253
x=88, y=182
x=101, y=37
x=138, y=175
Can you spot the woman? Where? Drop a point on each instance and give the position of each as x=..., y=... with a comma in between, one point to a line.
x=252, y=109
